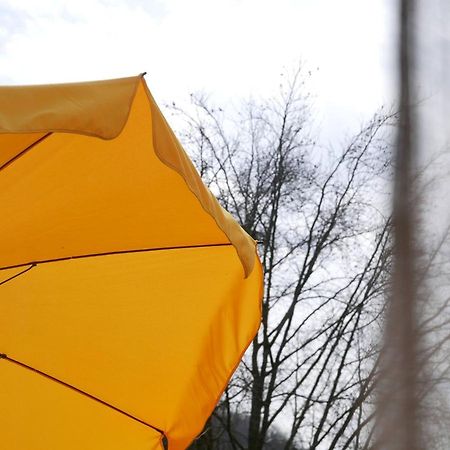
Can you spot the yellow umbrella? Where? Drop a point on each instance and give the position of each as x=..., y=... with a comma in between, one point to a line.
x=127, y=294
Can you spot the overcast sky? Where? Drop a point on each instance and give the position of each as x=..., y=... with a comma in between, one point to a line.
x=229, y=48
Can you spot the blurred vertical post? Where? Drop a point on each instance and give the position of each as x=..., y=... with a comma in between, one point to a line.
x=399, y=406
x=404, y=282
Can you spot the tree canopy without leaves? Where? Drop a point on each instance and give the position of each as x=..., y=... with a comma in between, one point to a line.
x=319, y=216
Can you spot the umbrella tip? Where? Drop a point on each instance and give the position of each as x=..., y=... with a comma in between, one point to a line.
x=3, y=356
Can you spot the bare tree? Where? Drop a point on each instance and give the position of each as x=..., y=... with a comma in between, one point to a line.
x=324, y=240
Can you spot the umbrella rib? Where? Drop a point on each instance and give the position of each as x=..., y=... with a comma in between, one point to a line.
x=86, y=394
x=18, y=274
x=117, y=252
x=25, y=150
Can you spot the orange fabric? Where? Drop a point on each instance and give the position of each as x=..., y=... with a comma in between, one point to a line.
x=169, y=150
x=120, y=274
x=96, y=196
x=98, y=108
x=146, y=128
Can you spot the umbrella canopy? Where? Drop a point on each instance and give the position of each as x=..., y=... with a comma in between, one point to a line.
x=127, y=294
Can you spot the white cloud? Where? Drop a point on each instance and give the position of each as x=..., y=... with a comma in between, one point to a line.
x=230, y=47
